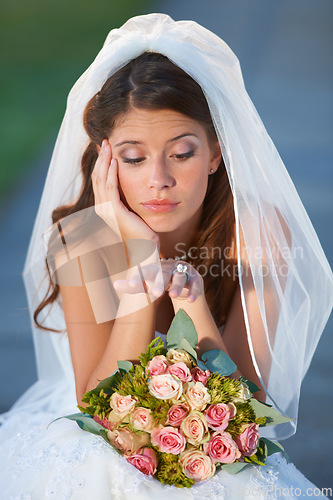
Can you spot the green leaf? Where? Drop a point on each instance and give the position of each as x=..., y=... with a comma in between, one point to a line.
x=262, y=451
x=274, y=447
x=201, y=365
x=184, y=344
x=124, y=365
x=108, y=384
x=181, y=327
x=273, y=417
x=251, y=385
x=234, y=468
x=218, y=361
x=86, y=423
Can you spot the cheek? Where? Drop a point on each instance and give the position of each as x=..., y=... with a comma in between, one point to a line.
x=197, y=188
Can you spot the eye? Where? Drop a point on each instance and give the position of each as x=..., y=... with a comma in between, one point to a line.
x=184, y=156
x=133, y=161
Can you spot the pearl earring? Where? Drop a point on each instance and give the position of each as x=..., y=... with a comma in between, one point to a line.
x=211, y=170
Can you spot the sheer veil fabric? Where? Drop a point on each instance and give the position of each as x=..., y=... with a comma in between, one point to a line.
x=280, y=260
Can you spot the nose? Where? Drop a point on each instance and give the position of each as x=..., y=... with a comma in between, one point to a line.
x=160, y=176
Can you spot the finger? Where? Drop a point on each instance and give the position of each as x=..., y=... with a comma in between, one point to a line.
x=178, y=282
x=195, y=288
x=112, y=188
x=100, y=172
x=132, y=285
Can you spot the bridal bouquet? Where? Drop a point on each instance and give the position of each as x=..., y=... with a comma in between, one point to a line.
x=179, y=418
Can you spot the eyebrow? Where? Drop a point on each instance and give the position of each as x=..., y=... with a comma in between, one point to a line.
x=171, y=140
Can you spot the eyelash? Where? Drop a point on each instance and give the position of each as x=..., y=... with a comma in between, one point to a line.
x=181, y=157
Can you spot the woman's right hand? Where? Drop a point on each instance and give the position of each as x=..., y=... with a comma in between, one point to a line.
x=108, y=204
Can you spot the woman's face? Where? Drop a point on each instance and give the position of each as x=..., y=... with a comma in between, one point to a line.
x=164, y=160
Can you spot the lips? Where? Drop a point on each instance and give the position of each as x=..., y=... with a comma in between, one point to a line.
x=162, y=206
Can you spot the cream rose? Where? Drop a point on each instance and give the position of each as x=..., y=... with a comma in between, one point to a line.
x=179, y=355
x=195, y=428
x=141, y=419
x=165, y=387
x=196, y=465
x=126, y=441
x=243, y=394
x=196, y=395
x=122, y=405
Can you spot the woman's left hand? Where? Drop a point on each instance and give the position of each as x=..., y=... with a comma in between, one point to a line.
x=163, y=276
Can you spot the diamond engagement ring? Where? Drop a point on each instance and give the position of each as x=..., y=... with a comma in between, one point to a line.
x=182, y=269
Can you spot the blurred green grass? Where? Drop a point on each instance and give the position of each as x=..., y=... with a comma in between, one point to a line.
x=46, y=46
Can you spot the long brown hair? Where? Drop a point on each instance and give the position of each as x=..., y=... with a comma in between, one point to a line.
x=153, y=82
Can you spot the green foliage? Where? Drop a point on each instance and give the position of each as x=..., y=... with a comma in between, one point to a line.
x=251, y=385
x=109, y=384
x=217, y=361
x=234, y=468
x=182, y=327
x=151, y=351
x=273, y=447
x=125, y=366
x=169, y=471
x=222, y=389
x=272, y=416
x=159, y=409
x=253, y=459
x=244, y=415
x=98, y=403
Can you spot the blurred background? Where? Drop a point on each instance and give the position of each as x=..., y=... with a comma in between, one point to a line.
x=285, y=52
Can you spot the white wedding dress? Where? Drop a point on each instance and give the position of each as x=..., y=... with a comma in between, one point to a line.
x=42, y=460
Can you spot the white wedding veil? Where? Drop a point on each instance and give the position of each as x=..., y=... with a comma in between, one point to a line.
x=280, y=260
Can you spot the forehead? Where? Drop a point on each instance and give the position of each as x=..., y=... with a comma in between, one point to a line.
x=139, y=121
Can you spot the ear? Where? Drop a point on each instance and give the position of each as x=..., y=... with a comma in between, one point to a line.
x=215, y=157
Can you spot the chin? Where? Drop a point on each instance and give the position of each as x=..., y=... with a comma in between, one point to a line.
x=164, y=225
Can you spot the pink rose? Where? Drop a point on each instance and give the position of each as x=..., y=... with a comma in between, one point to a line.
x=218, y=415
x=142, y=419
x=197, y=395
x=168, y=439
x=126, y=441
x=157, y=366
x=145, y=460
x=222, y=448
x=195, y=428
x=176, y=414
x=196, y=465
x=181, y=371
x=165, y=387
x=105, y=422
x=200, y=375
x=247, y=441
x=122, y=405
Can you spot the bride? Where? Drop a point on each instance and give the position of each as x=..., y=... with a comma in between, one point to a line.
x=175, y=164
